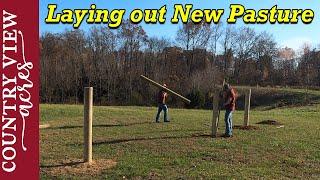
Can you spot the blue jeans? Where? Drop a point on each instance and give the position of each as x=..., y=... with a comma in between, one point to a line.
x=164, y=108
x=228, y=121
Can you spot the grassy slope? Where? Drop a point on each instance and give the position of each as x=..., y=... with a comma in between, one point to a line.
x=179, y=149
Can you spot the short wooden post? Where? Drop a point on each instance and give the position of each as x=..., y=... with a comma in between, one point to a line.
x=87, y=130
x=215, y=114
x=247, y=108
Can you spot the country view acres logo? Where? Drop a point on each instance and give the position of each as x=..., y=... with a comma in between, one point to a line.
x=15, y=92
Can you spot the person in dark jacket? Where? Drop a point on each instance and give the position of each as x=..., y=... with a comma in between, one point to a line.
x=162, y=97
x=229, y=98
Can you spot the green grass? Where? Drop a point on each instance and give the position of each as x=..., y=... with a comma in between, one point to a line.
x=181, y=148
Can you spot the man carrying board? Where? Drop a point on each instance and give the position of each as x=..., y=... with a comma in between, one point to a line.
x=161, y=98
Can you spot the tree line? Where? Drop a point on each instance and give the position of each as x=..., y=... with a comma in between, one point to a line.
x=193, y=63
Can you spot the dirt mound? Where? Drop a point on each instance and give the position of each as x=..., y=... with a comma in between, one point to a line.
x=246, y=127
x=77, y=167
x=270, y=122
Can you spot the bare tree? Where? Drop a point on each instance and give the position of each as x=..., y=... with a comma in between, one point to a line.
x=286, y=64
x=216, y=34
x=265, y=51
x=246, y=40
x=112, y=60
x=191, y=36
x=228, y=43
x=156, y=45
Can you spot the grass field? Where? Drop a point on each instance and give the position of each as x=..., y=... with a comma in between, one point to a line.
x=127, y=144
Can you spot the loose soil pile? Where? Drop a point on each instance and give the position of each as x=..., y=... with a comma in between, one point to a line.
x=77, y=167
x=270, y=122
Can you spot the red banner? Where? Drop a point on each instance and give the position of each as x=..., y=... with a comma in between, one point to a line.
x=19, y=48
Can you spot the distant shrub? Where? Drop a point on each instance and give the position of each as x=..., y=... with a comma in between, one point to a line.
x=197, y=99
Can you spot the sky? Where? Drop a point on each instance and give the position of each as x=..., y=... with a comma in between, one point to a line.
x=293, y=36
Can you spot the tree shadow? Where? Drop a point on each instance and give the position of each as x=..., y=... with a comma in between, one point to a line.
x=116, y=141
x=248, y=128
x=209, y=136
x=73, y=163
x=101, y=125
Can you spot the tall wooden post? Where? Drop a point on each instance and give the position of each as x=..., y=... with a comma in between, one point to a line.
x=215, y=114
x=247, y=108
x=87, y=130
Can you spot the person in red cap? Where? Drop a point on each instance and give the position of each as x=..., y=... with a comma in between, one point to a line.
x=162, y=97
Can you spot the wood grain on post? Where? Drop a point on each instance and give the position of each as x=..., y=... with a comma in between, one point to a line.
x=87, y=130
x=247, y=108
x=215, y=114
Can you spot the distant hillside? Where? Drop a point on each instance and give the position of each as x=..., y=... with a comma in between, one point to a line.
x=269, y=98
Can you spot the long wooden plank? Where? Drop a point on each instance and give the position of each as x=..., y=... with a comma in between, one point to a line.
x=165, y=88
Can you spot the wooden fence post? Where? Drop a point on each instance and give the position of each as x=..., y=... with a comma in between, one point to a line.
x=247, y=108
x=87, y=130
x=215, y=114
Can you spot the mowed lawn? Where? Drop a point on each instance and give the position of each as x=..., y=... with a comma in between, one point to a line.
x=127, y=144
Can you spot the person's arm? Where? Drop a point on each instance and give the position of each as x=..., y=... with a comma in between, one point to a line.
x=165, y=95
x=231, y=98
x=228, y=102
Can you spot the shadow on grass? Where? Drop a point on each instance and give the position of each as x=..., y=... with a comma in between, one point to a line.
x=249, y=128
x=62, y=164
x=116, y=141
x=101, y=125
